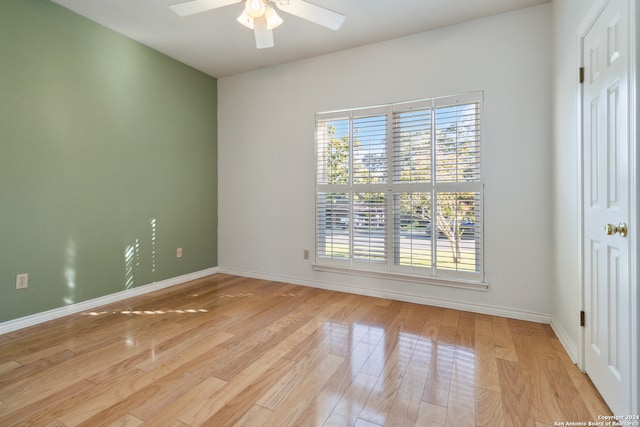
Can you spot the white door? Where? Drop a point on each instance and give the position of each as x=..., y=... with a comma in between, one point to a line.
x=606, y=136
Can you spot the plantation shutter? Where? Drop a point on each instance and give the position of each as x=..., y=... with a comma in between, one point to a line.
x=413, y=166
x=370, y=176
x=457, y=186
x=333, y=201
x=399, y=188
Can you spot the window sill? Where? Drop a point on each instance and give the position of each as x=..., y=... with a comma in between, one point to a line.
x=437, y=281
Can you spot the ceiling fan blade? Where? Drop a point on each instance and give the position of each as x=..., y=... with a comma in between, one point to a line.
x=264, y=36
x=196, y=6
x=311, y=12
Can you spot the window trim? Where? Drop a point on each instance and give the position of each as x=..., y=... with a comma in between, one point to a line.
x=389, y=269
x=405, y=277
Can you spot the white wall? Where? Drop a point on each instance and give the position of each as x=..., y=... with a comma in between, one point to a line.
x=266, y=154
x=567, y=17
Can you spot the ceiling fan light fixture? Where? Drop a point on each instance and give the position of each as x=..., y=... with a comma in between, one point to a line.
x=255, y=8
x=261, y=17
x=246, y=20
x=272, y=17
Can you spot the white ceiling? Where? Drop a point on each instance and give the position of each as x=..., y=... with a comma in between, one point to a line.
x=215, y=43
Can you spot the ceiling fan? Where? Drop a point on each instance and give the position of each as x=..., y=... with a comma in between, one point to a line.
x=260, y=16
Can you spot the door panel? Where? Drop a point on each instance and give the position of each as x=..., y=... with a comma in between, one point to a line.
x=606, y=195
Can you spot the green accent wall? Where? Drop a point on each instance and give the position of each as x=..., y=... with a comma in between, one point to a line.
x=108, y=161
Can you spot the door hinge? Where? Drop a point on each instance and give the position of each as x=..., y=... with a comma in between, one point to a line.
x=581, y=75
x=582, y=322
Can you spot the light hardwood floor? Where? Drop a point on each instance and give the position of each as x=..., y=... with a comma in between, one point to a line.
x=228, y=350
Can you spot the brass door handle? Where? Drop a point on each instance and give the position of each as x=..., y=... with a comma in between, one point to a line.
x=611, y=229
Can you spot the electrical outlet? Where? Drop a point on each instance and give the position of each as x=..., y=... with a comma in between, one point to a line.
x=22, y=281
x=305, y=254
x=179, y=253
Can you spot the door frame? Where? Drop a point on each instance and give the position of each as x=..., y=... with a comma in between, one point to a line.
x=634, y=185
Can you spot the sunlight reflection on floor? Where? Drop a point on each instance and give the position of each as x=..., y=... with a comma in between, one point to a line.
x=139, y=312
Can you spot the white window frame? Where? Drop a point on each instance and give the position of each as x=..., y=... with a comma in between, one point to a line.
x=390, y=269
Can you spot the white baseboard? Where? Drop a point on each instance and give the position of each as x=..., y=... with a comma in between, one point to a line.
x=563, y=337
x=418, y=299
x=45, y=316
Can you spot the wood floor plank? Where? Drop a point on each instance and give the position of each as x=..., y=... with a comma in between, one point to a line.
x=300, y=338
x=346, y=332
x=228, y=350
x=172, y=412
x=320, y=408
x=60, y=376
x=358, y=340
x=8, y=366
x=438, y=384
x=201, y=413
x=274, y=397
x=318, y=331
x=502, y=339
x=433, y=320
x=43, y=341
x=244, y=401
x=545, y=376
x=190, y=347
x=327, y=397
x=364, y=423
x=461, y=403
x=518, y=411
x=254, y=417
x=407, y=400
x=173, y=386
x=39, y=412
x=489, y=408
x=485, y=350
x=20, y=371
x=131, y=421
x=530, y=368
x=301, y=396
x=450, y=318
x=588, y=393
x=164, y=389
x=269, y=309
x=348, y=409
x=395, y=354
x=85, y=329
x=431, y=415
x=206, y=409
x=78, y=344
x=244, y=352
x=571, y=405
x=104, y=395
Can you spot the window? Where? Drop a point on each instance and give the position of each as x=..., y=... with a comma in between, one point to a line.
x=399, y=189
